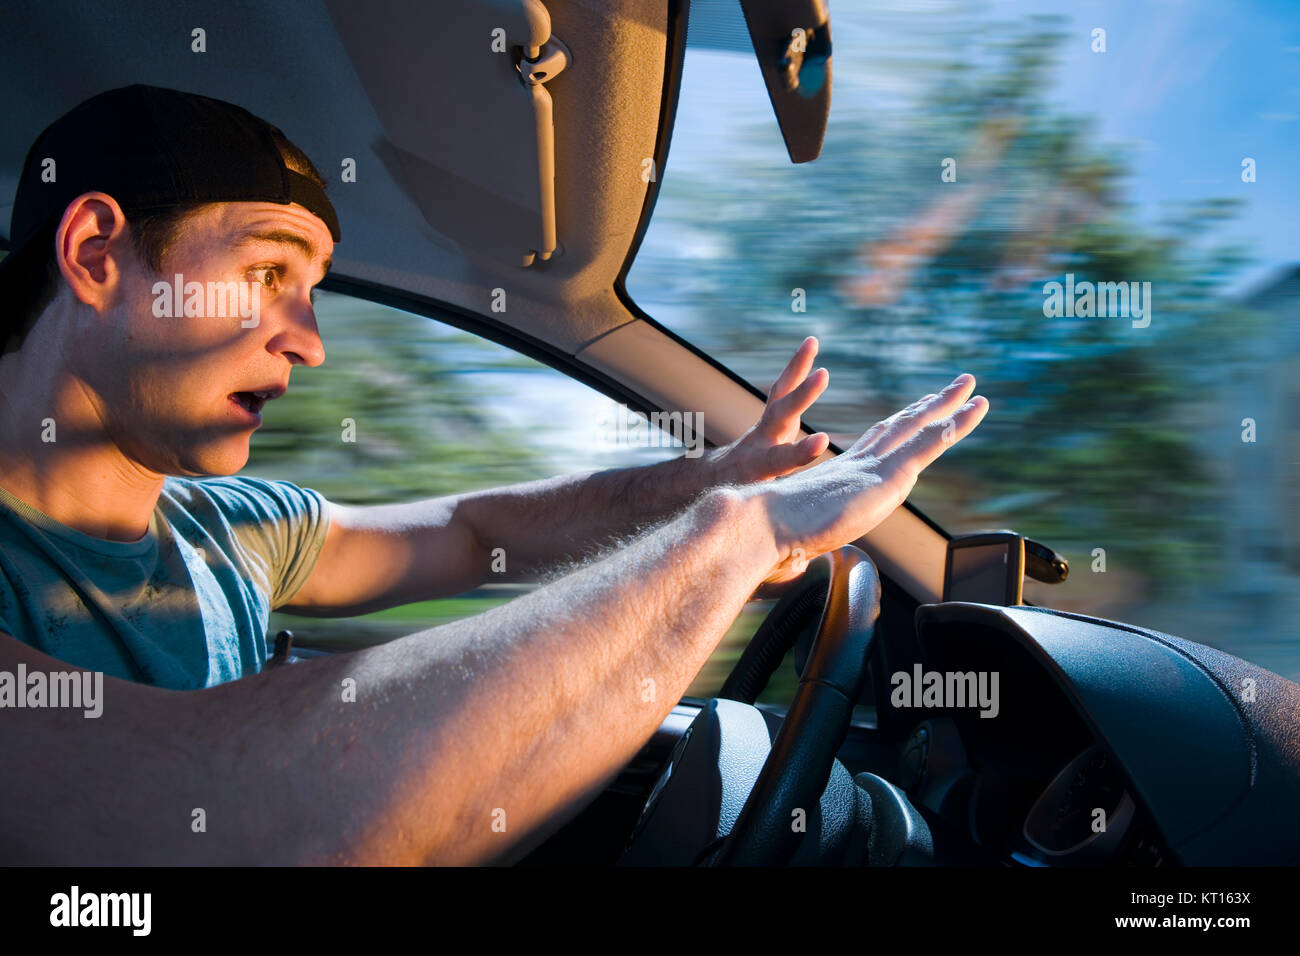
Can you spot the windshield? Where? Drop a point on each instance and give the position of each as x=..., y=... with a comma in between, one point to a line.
x=1093, y=212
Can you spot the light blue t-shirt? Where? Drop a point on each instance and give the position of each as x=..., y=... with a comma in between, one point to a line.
x=186, y=606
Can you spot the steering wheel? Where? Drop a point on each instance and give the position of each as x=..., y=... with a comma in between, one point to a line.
x=813, y=731
x=691, y=800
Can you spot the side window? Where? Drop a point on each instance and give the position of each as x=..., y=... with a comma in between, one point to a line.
x=406, y=408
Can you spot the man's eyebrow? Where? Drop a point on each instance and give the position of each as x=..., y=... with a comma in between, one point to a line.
x=286, y=238
x=282, y=236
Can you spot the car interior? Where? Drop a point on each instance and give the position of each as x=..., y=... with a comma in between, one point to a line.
x=507, y=197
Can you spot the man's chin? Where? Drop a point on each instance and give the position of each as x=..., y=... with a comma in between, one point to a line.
x=227, y=459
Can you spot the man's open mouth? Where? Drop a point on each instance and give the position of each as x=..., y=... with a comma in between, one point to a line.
x=251, y=401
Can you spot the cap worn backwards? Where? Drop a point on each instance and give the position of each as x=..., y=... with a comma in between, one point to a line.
x=152, y=148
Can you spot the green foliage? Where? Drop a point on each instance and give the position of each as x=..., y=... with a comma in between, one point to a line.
x=1093, y=438
x=421, y=397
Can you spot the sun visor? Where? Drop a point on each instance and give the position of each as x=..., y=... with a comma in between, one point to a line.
x=459, y=89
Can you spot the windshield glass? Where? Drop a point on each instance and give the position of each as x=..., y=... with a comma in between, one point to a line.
x=1093, y=212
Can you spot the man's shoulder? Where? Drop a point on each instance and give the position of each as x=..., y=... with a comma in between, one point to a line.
x=247, y=495
x=229, y=485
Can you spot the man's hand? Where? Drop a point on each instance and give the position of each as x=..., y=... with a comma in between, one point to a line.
x=769, y=450
x=384, y=555
x=842, y=499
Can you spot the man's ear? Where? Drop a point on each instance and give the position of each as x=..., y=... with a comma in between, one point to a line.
x=92, y=245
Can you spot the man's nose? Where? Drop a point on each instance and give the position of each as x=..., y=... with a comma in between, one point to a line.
x=299, y=338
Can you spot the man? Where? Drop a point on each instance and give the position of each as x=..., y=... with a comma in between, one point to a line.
x=458, y=744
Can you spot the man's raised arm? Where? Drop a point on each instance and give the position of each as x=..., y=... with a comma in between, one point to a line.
x=385, y=555
x=544, y=523
x=457, y=744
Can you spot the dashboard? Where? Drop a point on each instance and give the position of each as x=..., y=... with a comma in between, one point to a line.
x=1034, y=787
x=1031, y=809
x=1112, y=746
x=1104, y=745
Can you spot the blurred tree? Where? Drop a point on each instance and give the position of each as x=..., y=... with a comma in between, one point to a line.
x=1094, y=439
x=424, y=416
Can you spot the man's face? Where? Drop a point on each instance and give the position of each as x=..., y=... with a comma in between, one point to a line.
x=177, y=388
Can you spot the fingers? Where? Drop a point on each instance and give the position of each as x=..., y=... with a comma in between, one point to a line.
x=781, y=417
x=785, y=458
x=884, y=437
x=908, y=459
x=796, y=370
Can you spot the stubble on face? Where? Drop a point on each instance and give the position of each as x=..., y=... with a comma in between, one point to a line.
x=165, y=396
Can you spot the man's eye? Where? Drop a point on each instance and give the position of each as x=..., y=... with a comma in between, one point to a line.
x=267, y=276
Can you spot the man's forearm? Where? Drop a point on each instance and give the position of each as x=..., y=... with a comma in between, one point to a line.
x=548, y=523
x=450, y=746
x=385, y=555
x=380, y=556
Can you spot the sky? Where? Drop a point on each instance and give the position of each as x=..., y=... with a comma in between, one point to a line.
x=1195, y=86
x=1187, y=89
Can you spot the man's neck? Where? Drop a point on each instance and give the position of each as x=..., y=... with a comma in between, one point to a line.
x=57, y=457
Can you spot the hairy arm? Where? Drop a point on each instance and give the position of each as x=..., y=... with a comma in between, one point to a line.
x=545, y=523
x=464, y=742
x=382, y=556
x=515, y=717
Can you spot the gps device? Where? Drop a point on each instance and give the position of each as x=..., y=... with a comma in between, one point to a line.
x=985, y=568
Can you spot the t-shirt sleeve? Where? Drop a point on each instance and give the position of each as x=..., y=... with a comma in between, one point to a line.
x=282, y=523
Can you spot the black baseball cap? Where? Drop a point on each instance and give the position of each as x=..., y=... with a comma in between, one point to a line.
x=150, y=148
